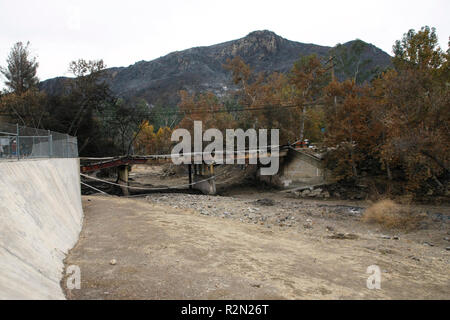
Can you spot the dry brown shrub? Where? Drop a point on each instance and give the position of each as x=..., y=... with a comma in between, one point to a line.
x=391, y=215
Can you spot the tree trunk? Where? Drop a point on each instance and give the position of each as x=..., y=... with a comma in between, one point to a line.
x=302, y=126
x=388, y=170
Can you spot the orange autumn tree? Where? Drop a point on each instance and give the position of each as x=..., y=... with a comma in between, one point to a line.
x=145, y=139
x=148, y=142
x=399, y=125
x=275, y=108
x=205, y=107
x=353, y=129
x=278, y=101
x=416, y=96
x=308, y=77
x=163, y=144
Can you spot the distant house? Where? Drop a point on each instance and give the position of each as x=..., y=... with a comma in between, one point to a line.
x=301, y=167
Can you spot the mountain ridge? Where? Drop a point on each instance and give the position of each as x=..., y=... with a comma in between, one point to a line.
x=200, y=68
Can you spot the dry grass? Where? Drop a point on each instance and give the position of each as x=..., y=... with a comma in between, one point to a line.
x=391, y=215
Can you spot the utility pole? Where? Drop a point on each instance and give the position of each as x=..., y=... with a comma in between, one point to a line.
x=332, y=68
x=332, y=80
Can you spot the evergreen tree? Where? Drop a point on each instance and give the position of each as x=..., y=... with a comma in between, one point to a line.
x=20, y=73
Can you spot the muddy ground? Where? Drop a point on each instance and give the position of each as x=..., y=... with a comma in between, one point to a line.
x=248, y=244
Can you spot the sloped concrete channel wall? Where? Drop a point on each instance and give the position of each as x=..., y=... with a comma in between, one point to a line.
x=40, y=220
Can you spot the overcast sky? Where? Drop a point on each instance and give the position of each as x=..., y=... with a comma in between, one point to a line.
x=123, y=32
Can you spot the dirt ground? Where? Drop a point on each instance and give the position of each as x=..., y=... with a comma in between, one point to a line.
x=181, y=246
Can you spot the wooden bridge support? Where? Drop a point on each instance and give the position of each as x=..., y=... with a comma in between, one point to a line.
x=204, y=178
x=123, y=178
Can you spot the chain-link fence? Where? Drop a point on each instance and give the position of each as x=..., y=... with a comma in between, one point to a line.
x=18, y=142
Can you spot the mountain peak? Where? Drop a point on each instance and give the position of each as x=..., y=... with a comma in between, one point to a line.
x=263, y=34
x=258, y=42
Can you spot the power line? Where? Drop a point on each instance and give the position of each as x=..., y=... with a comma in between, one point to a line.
x=98, y=190
x=152, y=189
x=200, y=110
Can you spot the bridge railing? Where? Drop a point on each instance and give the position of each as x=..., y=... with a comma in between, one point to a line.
x=20, y=142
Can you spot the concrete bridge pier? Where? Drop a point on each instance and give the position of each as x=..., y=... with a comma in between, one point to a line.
x=204, y=178
x=123, y=178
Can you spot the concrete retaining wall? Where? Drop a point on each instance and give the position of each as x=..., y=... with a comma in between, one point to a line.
x=40, y=219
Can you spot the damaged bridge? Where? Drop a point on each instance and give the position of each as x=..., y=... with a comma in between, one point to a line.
x=298, y=166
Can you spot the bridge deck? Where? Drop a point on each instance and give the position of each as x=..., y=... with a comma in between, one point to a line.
x=94, y=164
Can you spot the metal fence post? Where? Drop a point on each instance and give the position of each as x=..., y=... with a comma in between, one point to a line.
x=17, y=142
x=50, y=144
x=67, y=146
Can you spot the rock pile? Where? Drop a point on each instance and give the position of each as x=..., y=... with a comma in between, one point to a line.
x=265, y=212
x=313, y=193
x=333, y=191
